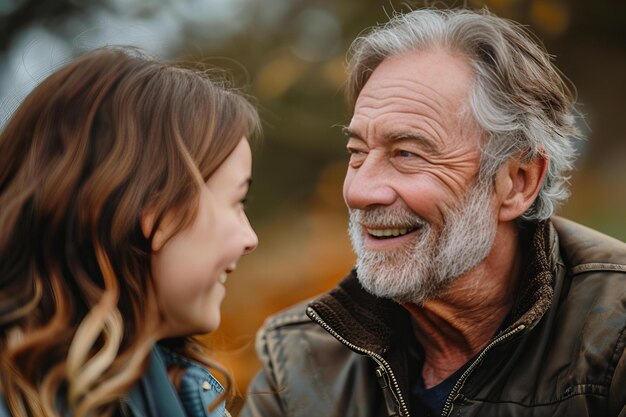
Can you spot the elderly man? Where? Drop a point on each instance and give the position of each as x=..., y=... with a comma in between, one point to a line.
x=468, y=298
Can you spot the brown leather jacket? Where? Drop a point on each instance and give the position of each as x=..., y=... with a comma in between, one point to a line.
x=345, y=353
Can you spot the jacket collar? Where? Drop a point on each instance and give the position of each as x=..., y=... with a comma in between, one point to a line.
x=538, y=277
x=361, y=318
x=155, y=396
x=375, y=323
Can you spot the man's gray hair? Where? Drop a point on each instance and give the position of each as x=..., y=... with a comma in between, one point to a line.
x=519, y=97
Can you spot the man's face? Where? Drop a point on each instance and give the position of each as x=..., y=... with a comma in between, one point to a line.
x=418, y=219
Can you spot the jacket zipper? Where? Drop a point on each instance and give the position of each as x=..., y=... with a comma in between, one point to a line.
x=384, y=373
x=447, y=407
x=391, y=402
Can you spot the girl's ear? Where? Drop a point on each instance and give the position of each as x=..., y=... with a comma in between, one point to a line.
x=517, y=186
x=148, y=219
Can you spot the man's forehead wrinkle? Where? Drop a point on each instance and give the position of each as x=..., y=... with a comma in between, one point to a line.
x=399, y=101
x=412, y=121
x=405, y=88
x=401, y=107
x=404, y=102
x=393, y=105
x=401, y=118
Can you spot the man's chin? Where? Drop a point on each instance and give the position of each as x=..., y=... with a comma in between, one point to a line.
x=381, y=288
x=417, y=293
x=417, y=298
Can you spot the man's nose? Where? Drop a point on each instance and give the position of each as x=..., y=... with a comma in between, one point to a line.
x=369, y=185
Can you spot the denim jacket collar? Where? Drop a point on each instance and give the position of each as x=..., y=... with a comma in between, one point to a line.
x=155, y=396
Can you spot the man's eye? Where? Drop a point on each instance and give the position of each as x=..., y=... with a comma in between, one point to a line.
x=406, y=154
x=357, y=157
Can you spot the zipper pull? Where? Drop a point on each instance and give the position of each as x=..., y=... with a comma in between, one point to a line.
x=390, y=399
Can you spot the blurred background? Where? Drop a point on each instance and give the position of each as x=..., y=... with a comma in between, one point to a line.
x=290, y=55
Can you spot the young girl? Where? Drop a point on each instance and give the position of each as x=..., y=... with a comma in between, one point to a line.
x=122, y=184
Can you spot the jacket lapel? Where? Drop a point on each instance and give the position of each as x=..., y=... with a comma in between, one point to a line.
x=154, y=394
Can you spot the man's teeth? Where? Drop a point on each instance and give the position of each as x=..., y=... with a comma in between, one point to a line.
x=389, y=232
x=222, y=278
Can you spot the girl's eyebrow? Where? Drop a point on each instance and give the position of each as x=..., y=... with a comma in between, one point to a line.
x=246, y=183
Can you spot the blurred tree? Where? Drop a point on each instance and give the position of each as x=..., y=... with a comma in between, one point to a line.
x=16, y=15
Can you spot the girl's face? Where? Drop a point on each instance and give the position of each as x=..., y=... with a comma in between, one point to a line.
x=190, y=268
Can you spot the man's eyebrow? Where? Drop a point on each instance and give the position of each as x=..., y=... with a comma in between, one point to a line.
x=423, y=141
x=412, y=136
x=349, y=133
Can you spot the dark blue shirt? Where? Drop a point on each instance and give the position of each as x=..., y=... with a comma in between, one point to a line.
x=430, y=401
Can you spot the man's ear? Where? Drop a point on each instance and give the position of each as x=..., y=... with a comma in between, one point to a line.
x=517, y=186
x=148, y=219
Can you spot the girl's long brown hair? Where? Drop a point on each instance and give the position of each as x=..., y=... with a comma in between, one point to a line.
x=100, y=141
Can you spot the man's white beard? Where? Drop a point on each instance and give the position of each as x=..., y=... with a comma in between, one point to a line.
x=424, y=267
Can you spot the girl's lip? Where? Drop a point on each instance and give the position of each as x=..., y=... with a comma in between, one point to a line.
x=223, y=277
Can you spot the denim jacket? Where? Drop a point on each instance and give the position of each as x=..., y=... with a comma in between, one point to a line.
x=155, y=396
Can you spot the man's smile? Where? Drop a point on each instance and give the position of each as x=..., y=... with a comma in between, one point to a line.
x=386, y=233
